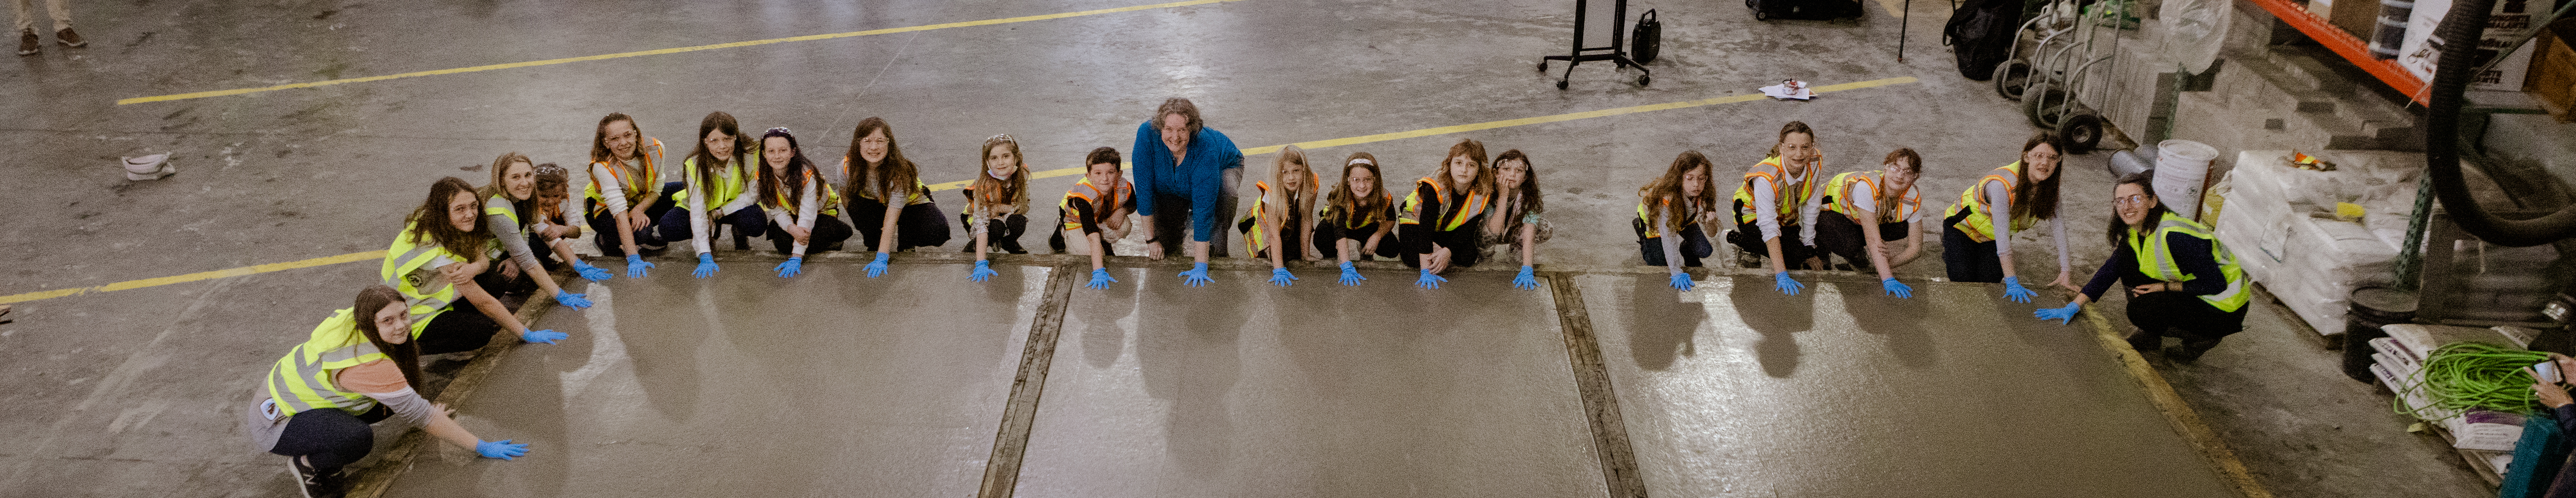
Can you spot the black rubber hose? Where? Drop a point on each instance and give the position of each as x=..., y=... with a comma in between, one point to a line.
x=2461, y=29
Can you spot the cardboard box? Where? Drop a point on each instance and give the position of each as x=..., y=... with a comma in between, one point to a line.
x=2422, y=50
x=2553, y=72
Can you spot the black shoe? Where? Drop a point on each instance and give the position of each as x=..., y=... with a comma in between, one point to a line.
x=69, y=38
x=2192, y=349
x=28, y=44
x=314, y=483
x=2146, y=343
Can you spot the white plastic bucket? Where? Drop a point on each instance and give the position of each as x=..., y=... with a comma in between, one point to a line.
x=2181, y=167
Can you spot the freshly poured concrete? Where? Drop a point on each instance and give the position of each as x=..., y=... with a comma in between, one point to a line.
x=1737, y=390
x=828, y=384
x=1242, y=389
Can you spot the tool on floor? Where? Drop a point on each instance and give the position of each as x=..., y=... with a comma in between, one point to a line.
x=151, y=167
x=1616, y=53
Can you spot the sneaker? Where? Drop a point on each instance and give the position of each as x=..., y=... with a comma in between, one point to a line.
x=69, y=38
x=314, y=483
x=28, y=44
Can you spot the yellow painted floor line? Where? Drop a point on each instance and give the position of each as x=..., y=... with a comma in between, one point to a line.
x=192, y=277
x=549, y=62
x=1318, y=144
x=2177, y=412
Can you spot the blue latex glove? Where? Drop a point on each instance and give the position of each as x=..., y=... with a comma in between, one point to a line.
x=593, y=273
x=2061, y=315
x=1196, y=277
x=547, y=336
x=1895, y=288
x=501, y=449
x=1429, y=280
x=576, y=301
x=1528, y=278
x=1351, y=275
x=706, y=266
x=1682, y=282
x=878, y=268
x=2014, y=290
x=1100, y=279
x=635, y=266
x=1786, y=285
x=1281, y=277
x=983, y=271
x=794, y=265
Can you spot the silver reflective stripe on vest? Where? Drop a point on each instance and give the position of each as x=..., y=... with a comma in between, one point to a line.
x=312, y=371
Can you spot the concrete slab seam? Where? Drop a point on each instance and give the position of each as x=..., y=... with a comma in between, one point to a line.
x=1619, y=473
x=1020, y=411
x=673, y=50
x=2177, y=411
x=373, y=483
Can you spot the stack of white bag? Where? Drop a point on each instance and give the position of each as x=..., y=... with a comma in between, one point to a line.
x=2280, y=222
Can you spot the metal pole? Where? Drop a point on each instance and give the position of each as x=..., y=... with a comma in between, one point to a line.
x=2410, y=258
x=1902, y=19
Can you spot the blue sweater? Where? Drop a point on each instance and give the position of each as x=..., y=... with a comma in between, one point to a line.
x=1200, y=178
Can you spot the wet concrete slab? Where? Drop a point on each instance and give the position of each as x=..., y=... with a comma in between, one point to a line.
x=828, y=384
x=1242, y=389
x=1737, y=390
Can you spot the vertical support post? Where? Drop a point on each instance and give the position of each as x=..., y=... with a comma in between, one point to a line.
x=2410, y=257
x=1902, y=20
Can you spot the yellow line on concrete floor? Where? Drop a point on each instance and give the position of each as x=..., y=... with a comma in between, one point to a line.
x=549, y=62
x=2177, y=412
x=192, y=277
x=1318, y=144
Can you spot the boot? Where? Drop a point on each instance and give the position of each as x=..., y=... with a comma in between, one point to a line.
x=28, y=44
x=2144, y=343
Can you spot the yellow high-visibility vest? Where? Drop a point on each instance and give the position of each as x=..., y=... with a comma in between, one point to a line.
x=302, y=380
x=640, y=187
x=1785, y=205
x=1980, y=215
x=2156, y=260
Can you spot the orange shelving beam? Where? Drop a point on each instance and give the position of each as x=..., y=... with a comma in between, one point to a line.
x=2345, y=44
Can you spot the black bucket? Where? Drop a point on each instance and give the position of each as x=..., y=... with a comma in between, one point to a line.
x=2372, y=308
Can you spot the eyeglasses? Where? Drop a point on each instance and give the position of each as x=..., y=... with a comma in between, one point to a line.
x=2135, y=199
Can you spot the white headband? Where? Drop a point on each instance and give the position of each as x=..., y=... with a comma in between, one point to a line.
x=1362, y=160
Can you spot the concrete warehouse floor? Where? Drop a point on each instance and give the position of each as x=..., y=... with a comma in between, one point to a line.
x=135, y=391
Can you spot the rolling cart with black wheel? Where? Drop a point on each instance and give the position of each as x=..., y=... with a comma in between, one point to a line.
x=1616, y=53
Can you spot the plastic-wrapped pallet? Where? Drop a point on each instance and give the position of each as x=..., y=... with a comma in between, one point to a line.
x=2280, y=222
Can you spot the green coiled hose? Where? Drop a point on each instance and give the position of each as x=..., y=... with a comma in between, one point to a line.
x=2465, y=376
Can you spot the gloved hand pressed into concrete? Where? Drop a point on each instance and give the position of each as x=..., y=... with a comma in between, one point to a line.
x=1281, y=277
x=706, y=266
x=983, y=272
x=1429, y=280
x=1351, y=275
x=1682, y=282
x=1100, y=279
x=878, y=268
x=635, y=265
x=1894, y=288
x=1528, y=279
x=576, y=301
x=1786, y=285
x=2061, y=315
x=502, y=449
x=1197, y=276
x=547, y=336
x=794, y=266
x=2014, y=290
x=593, y=273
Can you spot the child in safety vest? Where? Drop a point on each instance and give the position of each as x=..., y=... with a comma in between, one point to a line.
x=1515, y=224
x=1858, y=212
x=1439, y=221
x=888, y=202
x=997, y=204
x=1770, y=198
x=803, y=210
x=1277, y=226
x=443, y=255
x=553, y=230
x=357, y=368
x=626, y=197
x=1977, y=231
x=1358, y=217
x=1675, y=213
x=508, y=213
x=1094, y=212
x=714, y=177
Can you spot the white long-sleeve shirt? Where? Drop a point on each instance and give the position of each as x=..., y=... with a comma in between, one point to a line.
x=699, y=216
x=1999, y=216
x=1766, y=213
x=808, y=210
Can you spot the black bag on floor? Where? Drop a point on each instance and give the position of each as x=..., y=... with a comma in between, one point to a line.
x=1980, y=33
x=1766, y=10
x=1647, y=39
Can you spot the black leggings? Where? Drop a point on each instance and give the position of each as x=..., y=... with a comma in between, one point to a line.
x=1968, y=260
x=1328, y=237
x=2190, y=317
x=645, y=236
x=1695, y=245
x=1793, y=250
x=827, y=235
x=1840, y=236
x=329, y=438
x=1002, y=235
x=918, y=225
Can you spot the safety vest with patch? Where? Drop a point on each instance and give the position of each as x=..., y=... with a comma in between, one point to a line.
x=1981, y=215
x=1253, y=238
x=1785, y=205
x=407, y=269
x=2156, y=260
x=639, y=186
x=823, y=192
x=303, y=381
x=1457, y=215
x=859, y=187
x=1839, y=190
x=1102, y=201
x=728, y=184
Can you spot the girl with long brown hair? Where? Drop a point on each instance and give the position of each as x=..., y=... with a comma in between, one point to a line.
x=1515, y=224
x=1440, y=219
x=1862, y=211
x=1276, y=227
x=1358, y=216
x=444, y=254
x=803, y=212
x=880, y=179
x=623, y=198
x=1675, y=214
x=359, y=367
x=509, y=213
x=714, y=178
x=1976, y=234
x=997, y=203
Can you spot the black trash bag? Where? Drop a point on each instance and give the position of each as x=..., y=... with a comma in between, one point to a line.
x=1980, y=33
